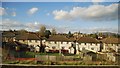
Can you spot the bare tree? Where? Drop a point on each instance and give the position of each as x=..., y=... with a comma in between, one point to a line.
x=42, y=31
x=53, y=31
x=42, y=34
x=22, y=31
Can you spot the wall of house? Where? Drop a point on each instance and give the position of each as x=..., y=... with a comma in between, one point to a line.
x=104, y=47
x=34, y=42
x=90, y=46
x=30, y=42
x=58, y=45
x=115, y=47
x=6, y=39
x=67, y=45
x=23, y=41
x=111, y=57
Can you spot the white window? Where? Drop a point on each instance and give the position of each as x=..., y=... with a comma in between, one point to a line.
x=51, y=42
x=64, y=42
x=82, y=43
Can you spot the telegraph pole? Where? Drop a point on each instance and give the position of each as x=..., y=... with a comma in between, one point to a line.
x=59, y=48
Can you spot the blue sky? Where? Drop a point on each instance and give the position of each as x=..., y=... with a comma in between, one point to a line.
x=86, y=17
x=60, y=0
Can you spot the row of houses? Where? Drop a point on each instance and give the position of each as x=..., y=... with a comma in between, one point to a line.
x=61, y=42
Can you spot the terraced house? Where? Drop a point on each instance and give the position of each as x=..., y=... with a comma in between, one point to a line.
x=89, y=43
x=61, y=43
x=30, y=39
x=111, y=44
x=58, y=42
x=8, y=36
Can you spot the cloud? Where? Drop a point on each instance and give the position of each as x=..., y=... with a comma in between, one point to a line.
x=104, y=29
x=10, y=24
x=33, y=10
x=90, y=30
x=7, y=11
x=2, y=11
x=59, y=15
x=48, y=14
x=13, y=14
x=66, y=29
x=7, y=24
x=91, y=13
x=97, y=1
x=35, y=26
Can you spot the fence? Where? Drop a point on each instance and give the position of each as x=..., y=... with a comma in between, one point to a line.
x=46, y=58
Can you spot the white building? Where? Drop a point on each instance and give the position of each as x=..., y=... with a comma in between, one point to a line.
x=114, y=57
x=111, y=44
x=30, y=39
x=88, y=43
x=59, y=42
x=8, y=36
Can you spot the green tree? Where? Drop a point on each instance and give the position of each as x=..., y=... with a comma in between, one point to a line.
x=47, y=33
x=100, y=34
x=69, y=34
x=94, y=35
x=118, y=35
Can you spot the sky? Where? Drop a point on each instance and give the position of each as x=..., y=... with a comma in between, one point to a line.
x=86, y=17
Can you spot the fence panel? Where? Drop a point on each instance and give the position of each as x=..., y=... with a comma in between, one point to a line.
x=42, y=57
x=54, y=58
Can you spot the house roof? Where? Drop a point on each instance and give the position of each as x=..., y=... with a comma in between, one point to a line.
x=33, y=36
x=27, y=36
x=87, y=40
x=8, y=34
x=15, y=43
x=58, y=38
x=72, y=39
x=111, y=40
